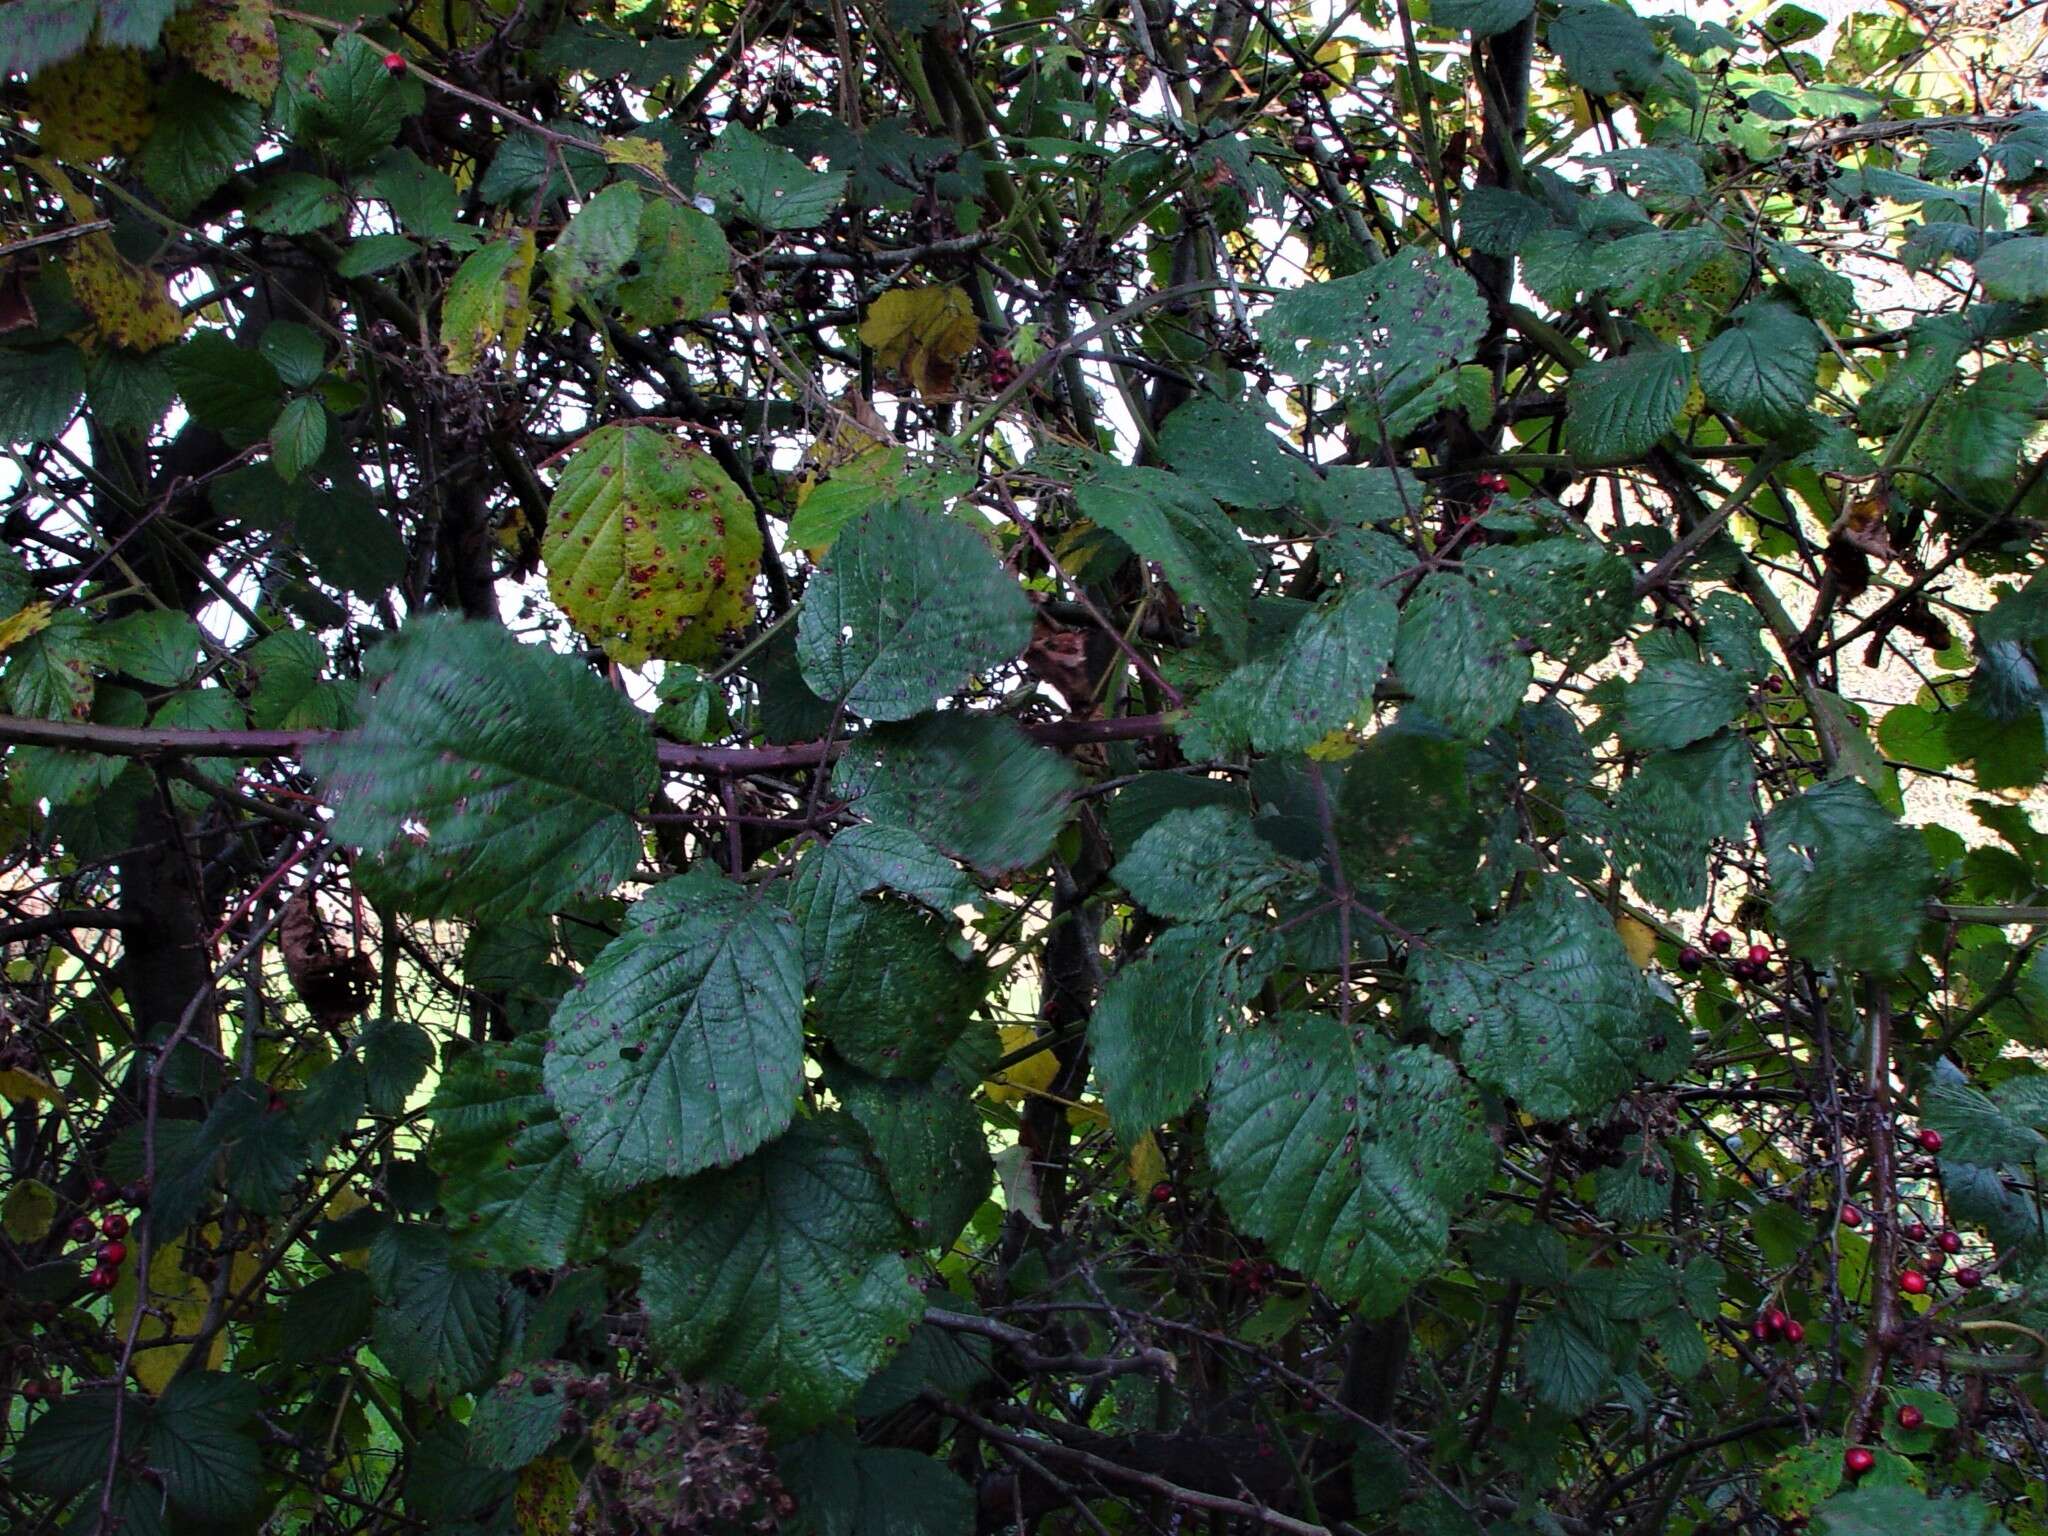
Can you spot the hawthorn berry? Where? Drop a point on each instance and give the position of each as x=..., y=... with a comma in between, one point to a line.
x=1795, y=1331
x=1240, y=1271
x=1949, y=1241
x=115, y=1225
x=136, y=1193
x=1916, y=1231
x=1934, y=1261
x=1719, y=942
x=1304, y=143
x=1315, y=80
x=1852, y=1216
x=113, y=1253
x=99, y=1191
x=394, y=63
x=101, y=1279
x=1857, y=1460
x=1911, y=1417
x=1760, y=1330
x=1161, y=1192
x=1913, y=1283
x=1776, y=1320
x=1969, y=1277
x=82, y=1229
x=1759, y=954
x=1930, y=1138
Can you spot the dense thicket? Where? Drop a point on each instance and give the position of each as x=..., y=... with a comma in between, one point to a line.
x=885, y=768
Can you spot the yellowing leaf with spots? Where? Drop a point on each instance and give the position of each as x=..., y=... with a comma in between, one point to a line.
x=18, y=627
x=129, y=305
x=231, y=42
x=545, y=1501
x=1638, y=938
x=96, y=104
x=1029, y=1077
x=919, y=334
x=643, y=154
x=650, y=548
x=488, y=302
x=29, y=1211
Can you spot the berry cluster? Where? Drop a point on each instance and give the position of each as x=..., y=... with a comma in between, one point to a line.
x=109, y=1230
x=1002, y=368
x=1774, y=1324
x=1753, y=967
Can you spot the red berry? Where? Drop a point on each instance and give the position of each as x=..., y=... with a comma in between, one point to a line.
x=1774, y=684
x=1719, y=942
x=101, y=1279
x=1691, y=958
x=1857, y=1460
x=1911, y=1417
x=1315, y=80
x=394, y=63
x=82, y=1229
x=1759, y=954
x=113, y=1253
x=1916, y=1231
x=1913, y=1283
x=136, y=1193
x=1240, y=1270
x=1969, y=1277
x=1795, y=1332
x=1760, y=1330
x=115, y=1225
x=1852, y=1216
x=1776, y=1320
x=1930, y=1138
x=1934, y=1261
x=1304, y=143
x=1949, y=1242
x=31, y=1390
x=99, y=1191
x=1161, y=1192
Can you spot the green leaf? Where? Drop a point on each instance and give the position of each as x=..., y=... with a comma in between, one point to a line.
x=229, y=388
x=909, y=604
x=39, y=389
x=155, y=647
x=1546, y=1003
x=1482, y=18
x=1457, y=658
x=1847, y=881
x=353, y=105
x=685, y=268
x=1321, y=679
x=1569, y=1371
x=871, y=858
x=681, y=1049
x=203, y=134
x=35, y=34
x=515, y=1195
x=1226, y=450
x=1156, y=1029
x=290, y=694
x=933, y=1149
x=856, y=1490
x=1934, y=345
x=294, y=203
x=1881, y=1510
x=294, y=351
x=462, y=746
x=1604, y=47
x=1974, y=442
x=1382, y=338
x=1675, y=703
x=1165, y=519
x=440, y=1324
x=782, y=1275
x=49, y=675
x=298, y=436
x=972, y=786
x=1204, y=863
x=1345, y=1155
x=891, y=997
x=1497, y=222
x=765, y=184
x=2016, y=268
x=1762, y=369
x=521, y=1416
x=199, y=1443
x=397, y=1054
x=69, y=1444
x=328, y=1316
x=1618, y=409
x=371, y=254
x=596, y=246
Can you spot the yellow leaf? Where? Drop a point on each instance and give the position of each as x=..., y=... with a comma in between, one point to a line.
x=1334, y=747
x=644, y=154
x=1087, y=1117
x=489, y=300
x=94, y=104
x=1032, y=1075
x=545, y=1501
x=36, y=616
x=1148, y=1163
x=177, y=1305
x=129, y=306
x=18, y=1087
x=1638, y=938
x=233, y=43
x=918, y=334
